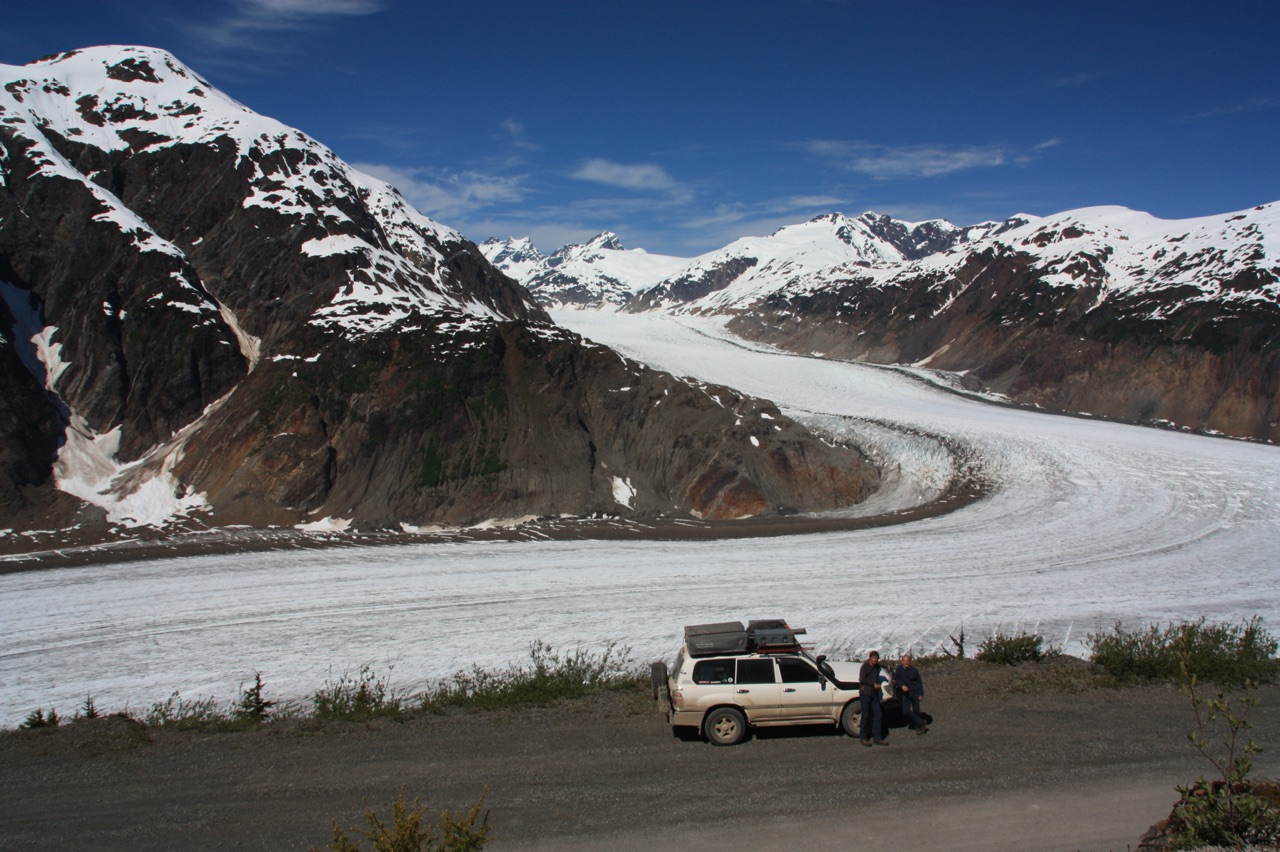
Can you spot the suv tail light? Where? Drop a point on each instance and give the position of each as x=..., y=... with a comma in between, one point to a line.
x=677, y=699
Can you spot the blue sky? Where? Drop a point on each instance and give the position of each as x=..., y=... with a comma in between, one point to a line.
x=684, y=125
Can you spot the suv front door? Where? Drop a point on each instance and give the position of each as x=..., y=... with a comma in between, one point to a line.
x=805, y=694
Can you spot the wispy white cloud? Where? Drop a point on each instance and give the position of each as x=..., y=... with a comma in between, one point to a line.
x=644, y=177
x=1084, y=78
x=252, y=23
x=514, y=133
x=910, y=161
x=1241, y=107
x=447, y=195
x=788, y=208
x=886, y=162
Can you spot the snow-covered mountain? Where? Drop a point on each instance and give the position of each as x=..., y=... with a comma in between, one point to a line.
x=207, y=314
x=748, y=269
x=597, y=273
x=602, y=273
x=1104, y=310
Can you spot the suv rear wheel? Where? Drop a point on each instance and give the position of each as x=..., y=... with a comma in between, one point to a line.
x=725, y=726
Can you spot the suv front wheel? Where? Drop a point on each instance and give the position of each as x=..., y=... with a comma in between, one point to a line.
x=851, y=718
x=725, y=726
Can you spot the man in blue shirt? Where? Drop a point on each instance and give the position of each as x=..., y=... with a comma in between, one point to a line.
x=906, y=679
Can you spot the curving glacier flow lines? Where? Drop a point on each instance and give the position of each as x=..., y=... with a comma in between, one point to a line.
x=1084, y=523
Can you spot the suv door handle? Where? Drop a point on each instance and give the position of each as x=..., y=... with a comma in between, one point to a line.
x=789, y=689
x=742, y=691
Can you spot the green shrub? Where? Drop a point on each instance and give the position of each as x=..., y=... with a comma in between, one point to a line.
x=1228, y=654
x=178, y=712
x=406, y=833
x=1009, y=650
x=36, y=719
x=88, y=710
x=252, y=706
x=357, y=699
x=548, y=677
x=1232, y=811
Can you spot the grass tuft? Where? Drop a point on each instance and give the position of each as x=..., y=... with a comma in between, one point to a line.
x=358, y=698
x=409, y=832
x=547, y=677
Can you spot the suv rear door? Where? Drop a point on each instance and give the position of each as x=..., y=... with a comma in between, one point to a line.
x=758, y=691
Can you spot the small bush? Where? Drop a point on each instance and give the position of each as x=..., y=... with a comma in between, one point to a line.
x=252, y=706
x=1232, y=810
x=1228, y=654
x=88, y=710
x=547, y=678
x=406, y=833
x=1009, y=650
x=37, y=719
x=357, y=699
x=178, y=712
x=1221, y=815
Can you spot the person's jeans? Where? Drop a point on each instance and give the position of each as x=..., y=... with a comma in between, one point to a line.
x=911, y=709
x=871, y=716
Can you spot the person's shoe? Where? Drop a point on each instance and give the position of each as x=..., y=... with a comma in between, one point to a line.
x=923, y=729
x=879, y=742
x=866, y=743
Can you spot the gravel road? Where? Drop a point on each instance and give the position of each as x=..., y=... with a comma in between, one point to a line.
x=1033, y=757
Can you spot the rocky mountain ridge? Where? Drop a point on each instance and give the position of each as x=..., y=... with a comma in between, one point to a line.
x=208, y=316
x=1101, y=310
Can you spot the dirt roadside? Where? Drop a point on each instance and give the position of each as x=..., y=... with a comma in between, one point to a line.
x=1031, y=757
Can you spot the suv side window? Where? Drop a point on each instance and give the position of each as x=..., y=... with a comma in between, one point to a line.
x=756, y=671
x=797, y=671
x=713, y=671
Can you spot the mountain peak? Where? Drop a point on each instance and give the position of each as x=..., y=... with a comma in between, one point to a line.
x=605, y=240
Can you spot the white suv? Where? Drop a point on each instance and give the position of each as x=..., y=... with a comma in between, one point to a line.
x=728, y=679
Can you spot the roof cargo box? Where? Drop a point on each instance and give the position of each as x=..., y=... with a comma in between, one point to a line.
x=705, y=640
x=772, y=634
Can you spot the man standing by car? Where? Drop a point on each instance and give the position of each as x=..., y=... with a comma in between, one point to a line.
x=906, y=679
x=869, y=695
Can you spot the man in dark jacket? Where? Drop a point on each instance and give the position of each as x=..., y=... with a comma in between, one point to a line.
x=869, y=695
x=906, y=679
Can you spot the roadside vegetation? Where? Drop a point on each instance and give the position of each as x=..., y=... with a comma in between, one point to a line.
x=1230, y=654
x=547, y=676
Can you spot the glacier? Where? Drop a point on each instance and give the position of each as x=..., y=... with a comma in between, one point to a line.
x=1084, y=523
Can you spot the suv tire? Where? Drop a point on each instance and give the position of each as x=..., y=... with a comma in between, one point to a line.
x=851, y=718
x=725, y=726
